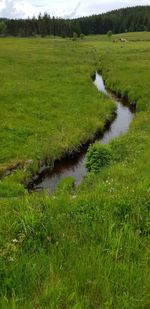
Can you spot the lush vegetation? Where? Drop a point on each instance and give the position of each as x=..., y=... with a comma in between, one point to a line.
x=97, y=157
x=48, y=102
x=85, y=247
x=117, y=21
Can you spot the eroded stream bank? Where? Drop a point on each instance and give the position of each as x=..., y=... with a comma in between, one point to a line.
x=73, y=165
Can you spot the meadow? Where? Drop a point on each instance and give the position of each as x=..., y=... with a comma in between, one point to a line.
x=85, y=247
x=47, y=97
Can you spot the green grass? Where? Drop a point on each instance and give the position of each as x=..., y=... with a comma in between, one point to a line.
x=48, y=103
x=85, y=247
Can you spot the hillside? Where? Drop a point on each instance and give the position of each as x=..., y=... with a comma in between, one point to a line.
x=123, y=20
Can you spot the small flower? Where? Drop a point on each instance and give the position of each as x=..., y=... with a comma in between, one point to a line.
x=14, y=241
x=11, y=259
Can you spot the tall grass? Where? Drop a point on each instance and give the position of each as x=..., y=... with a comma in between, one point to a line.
x=87, y=247
x=48, y=102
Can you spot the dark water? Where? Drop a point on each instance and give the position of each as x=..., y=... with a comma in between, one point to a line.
x=74, y=166
x=124, y=117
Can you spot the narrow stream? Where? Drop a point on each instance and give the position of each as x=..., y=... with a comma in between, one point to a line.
x=74, y=166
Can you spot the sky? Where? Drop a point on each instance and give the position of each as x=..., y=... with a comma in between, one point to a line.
x=62, y=8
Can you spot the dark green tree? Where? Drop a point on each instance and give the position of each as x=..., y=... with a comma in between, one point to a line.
x=2, y=28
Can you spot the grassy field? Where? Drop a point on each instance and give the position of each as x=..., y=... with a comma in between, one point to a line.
x=47, y=98
x=87, y=247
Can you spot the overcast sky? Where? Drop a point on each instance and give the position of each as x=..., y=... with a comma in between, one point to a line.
x=63, y=8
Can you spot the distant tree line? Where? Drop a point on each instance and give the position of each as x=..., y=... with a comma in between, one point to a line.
x=118, y=21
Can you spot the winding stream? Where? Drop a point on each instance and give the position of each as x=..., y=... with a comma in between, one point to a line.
x=74, y=165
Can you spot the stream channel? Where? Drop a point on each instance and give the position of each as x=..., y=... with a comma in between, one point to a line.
x=73, y=165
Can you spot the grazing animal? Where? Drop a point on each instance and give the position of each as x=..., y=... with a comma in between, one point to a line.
x=123, y=40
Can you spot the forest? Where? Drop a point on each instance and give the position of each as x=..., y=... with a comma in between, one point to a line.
x=131, y=19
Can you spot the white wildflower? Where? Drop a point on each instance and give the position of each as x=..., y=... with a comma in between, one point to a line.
x=14, y=241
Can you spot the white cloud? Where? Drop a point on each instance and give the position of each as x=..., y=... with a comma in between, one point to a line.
x=64, y=8
x=11, y=8
x=90, y=7
x=2, y=5
x=18, y=8
x=24, y=8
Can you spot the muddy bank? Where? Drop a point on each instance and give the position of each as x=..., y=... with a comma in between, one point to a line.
x=70, y=160
x=72, y=164
x=6, y=171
